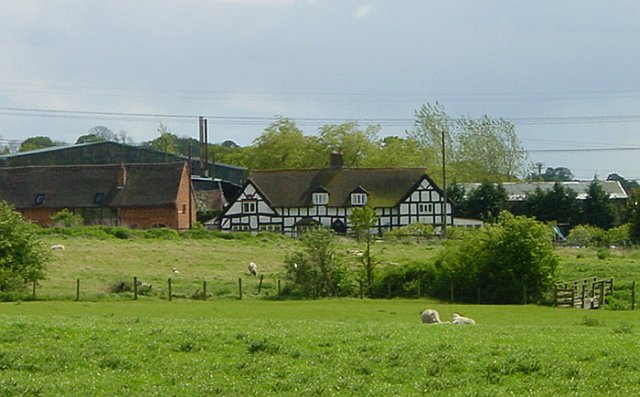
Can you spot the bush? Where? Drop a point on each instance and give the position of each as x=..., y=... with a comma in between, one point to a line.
x=587, y=235
x=317, y=270
x=66, y=218
x=501, y=261
x=23, y=257
x=403, y=281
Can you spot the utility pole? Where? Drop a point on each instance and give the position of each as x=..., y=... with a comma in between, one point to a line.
x=443, y=234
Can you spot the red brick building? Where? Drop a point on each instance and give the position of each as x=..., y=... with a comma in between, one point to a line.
x=131, y=195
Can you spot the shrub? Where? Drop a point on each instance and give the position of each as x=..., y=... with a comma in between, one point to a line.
x=501, y=261
x=404, y=280
x=66, y=218
x=587, y=235
x=23, y=257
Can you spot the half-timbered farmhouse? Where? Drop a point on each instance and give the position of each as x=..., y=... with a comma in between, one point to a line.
x=133, y=195
x=291, y=201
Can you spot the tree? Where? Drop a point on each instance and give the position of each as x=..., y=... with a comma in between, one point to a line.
x=89, y=138
x=354, y=143
x=36, y=142
x=559, y=174
x=597, y=208
x=393, y=151
x=558, y=204
x=506, y=262
x=23, y=257
x=363, y=219
x=317, y=270
x=633, y=208
x=66, y=218
x=166, y=142
x=485, y=202
x=283, y=145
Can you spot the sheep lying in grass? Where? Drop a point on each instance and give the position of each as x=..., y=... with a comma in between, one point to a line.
x=430, y=316
x=253, y=268
x=143, y=288
x=458, y=319
x=56, y=247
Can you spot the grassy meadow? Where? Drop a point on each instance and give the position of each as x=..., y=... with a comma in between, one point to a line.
x=110, y=345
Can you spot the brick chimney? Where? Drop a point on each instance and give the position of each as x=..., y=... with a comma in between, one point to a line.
x=336, y=160
x=121, y=176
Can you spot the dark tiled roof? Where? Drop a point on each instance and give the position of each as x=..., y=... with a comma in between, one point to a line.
x=77, y=186
x=294, y=188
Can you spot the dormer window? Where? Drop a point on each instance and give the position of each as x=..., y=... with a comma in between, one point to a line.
x=39, y=200
x=320, y=198
x=358, y=199
x=249, y=206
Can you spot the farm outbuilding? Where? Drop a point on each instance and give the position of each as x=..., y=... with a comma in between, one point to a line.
x=133, y=195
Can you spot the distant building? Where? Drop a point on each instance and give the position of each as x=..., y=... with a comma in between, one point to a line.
x=221, y=183
x=291, y=201
x=518, y=191
x=132, y=195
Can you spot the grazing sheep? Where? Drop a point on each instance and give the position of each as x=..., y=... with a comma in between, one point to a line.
x=175, y=271
x=58, y=247
x=430, y=316
x=253, y=268
x=143, y=288
x=458, y=319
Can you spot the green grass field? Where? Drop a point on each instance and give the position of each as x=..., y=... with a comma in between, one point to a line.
x=325, y=347
x=110, y=345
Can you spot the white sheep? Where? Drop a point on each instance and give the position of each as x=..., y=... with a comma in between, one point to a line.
x=458, y=319
x=430, y=316
x=56, y=247
x=253, y=268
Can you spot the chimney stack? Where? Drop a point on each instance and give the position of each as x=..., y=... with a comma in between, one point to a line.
x=121, y=176
x=336, y=160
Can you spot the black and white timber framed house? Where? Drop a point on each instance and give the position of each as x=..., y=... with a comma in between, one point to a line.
x=292, y=201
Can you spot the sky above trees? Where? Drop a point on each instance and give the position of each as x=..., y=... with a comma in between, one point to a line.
x=564, y=73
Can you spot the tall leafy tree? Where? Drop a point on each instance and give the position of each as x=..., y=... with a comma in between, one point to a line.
x=283, y=145
x=37, y=142
x=558, y=204
x=485, y=202
x=166, y=142
x=355, y=143
x=23, y=257
x=597, y=207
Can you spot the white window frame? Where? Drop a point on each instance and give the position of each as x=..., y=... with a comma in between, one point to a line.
x=320, y=198
x=358, y=198
x=249, y=207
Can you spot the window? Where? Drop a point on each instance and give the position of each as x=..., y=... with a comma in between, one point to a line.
x=425, y=208
x=99, y=198
x=320, y=198
x=184, y=208
x=249, y=207
x=39, y=199
x=358, y=198
x=271, y=228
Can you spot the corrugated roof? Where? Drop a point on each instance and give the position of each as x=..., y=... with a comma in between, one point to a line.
x=76, y=186
x=294, y=188
x=519, y=190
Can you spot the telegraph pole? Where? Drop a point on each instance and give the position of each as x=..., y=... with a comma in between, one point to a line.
x=443, y=234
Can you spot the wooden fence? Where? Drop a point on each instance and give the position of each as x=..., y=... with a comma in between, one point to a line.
x=588, y=293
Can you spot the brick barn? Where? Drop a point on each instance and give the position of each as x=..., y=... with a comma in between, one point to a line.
x=131, y=195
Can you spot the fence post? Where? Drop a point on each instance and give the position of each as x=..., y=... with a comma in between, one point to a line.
x=633, y=295
x=361, y=291
x=602, y=290
x=582, y=298
x=260, y=284
x=204, y=290
x=78, y=290
x=240, y=288
x=170, y=293
x=34, y=289
x=135, y=288
x=279, y=290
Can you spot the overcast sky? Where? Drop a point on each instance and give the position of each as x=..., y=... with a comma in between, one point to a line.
x=566, y=73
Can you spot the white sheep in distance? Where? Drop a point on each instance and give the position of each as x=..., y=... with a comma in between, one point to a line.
x=458, y=319
x=253, y=268
x=56, y=247
x=430, y=316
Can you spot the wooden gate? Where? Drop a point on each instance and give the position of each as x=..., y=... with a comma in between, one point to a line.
x=588, y=293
